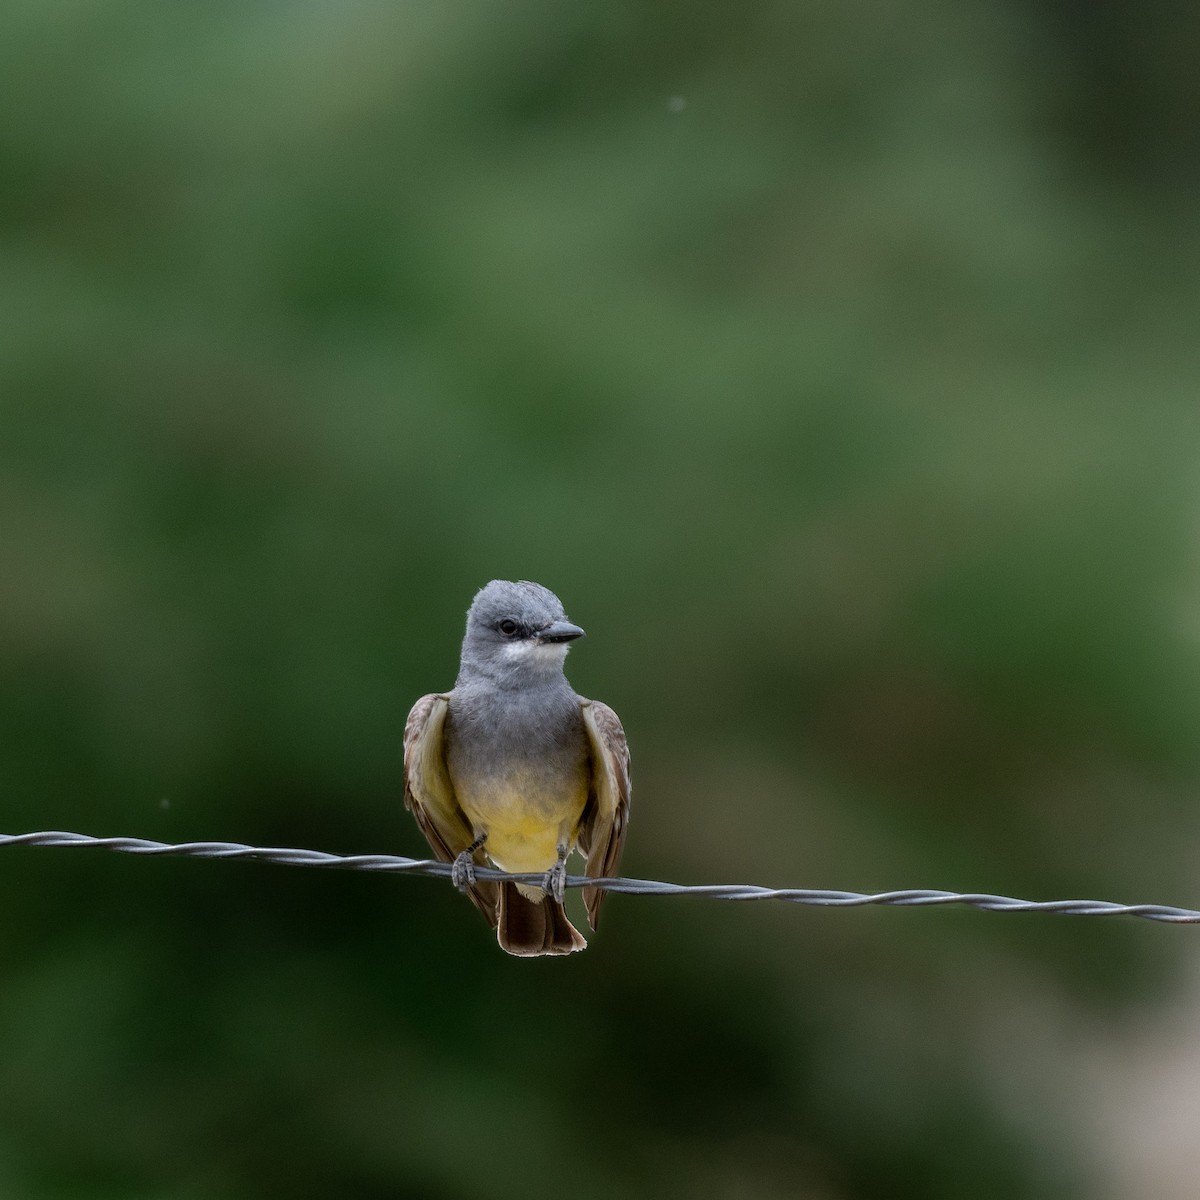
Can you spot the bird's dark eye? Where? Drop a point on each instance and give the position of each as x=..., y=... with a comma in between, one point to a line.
x=507, y=627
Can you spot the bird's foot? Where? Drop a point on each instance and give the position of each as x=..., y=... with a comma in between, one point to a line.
x=462, y=873
x=554, y=882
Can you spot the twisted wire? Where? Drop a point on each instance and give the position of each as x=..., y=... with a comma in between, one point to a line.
x=820, y=897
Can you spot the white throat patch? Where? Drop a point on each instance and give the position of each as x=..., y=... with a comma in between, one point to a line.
x=530, y=650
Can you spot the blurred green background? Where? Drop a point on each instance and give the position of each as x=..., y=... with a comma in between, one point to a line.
x=836, y=364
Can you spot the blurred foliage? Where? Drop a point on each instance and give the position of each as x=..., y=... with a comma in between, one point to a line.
x=835, y=364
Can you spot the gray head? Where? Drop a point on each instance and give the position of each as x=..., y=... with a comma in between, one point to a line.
x=517, y=633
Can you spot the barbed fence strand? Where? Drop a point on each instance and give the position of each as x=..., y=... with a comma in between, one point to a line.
x=397, y=864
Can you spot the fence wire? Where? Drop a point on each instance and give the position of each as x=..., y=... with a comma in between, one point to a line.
x=819, y=897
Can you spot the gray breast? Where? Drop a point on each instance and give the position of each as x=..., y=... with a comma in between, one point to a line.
x=532, y=742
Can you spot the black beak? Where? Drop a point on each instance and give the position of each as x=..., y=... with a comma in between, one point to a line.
x=559, y=631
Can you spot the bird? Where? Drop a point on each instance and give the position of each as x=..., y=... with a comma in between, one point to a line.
x=511, y=767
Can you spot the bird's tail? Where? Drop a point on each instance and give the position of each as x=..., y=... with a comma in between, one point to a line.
x=529, y=927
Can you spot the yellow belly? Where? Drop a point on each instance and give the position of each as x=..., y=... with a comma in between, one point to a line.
x=524, y=831
x=523, y=845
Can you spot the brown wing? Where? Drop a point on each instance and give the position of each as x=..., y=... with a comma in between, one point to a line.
x=602, y=832
x=429, y=794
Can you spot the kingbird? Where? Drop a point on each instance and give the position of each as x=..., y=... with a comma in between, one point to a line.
x=513, y=767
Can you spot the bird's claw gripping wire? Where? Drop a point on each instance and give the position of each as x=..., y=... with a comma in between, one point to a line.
x=554, y=882
x=462, y=873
